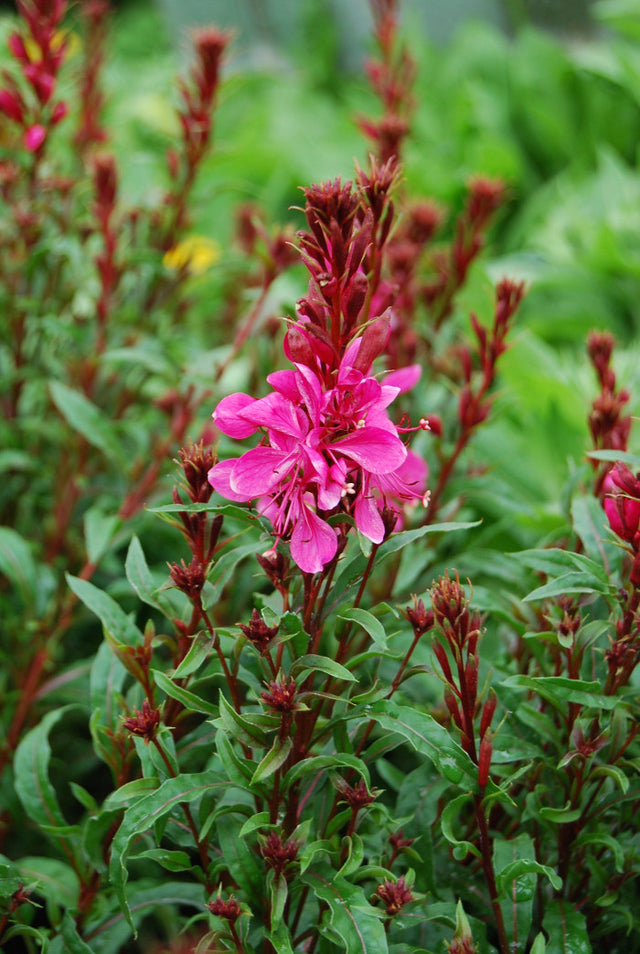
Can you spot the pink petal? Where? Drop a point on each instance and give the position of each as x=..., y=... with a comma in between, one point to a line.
x=227, y=416
x=373, y=448
x=220, y=479
x=404, y=378
x=368, y=519
x=259, y=470
x=313, y=542
x=277, y=413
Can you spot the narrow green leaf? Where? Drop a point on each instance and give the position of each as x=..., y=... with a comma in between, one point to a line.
x=31, y=768
x=278, y=894
x=369, y=623
x=246, y=730
x=352, y=922
x=198, y=653
x=255, y=823
x=56, y=880
x=99, y=530
x=140, y=578
x=142, y=816
x=171, y=860
x=451, y=814
x=321, y=763
x=397, y=541
x=560, y=689
x=575, y=581
x=88, y=420
x=313, y=663
x=426, y=736
x=115, y=621
x=224, y=569
x=273, y=760
x=525, y=866
x=17, y=564
x=188, y=699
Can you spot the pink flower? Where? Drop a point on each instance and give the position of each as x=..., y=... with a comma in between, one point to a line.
x=34, y=137
x=328, y=446
x=622, y=503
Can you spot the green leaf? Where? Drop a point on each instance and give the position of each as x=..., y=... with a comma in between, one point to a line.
x=278, y=894
x=188, y=699
x=450, y=814
x=560, y=689
x=273, y=760
x=255, y=823
x=197, y=654
x=88, y=420
x=99, y=530
x=525, y=866
x=590, y=522
x=427, y=737
x=320, y=763
x=171, y=860
x=352, y=922
x=31, y=767
x=140, y=578
x=313, y=663
x=115, y=621
x=397, y=541
x=145, y=812
x=224, y=569
x=18, y=565
x=56, y=880
x=369, y=623
x=248, y=730
x=566, y=929
x=575, y=581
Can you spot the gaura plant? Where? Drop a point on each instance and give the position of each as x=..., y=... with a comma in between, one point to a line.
x=305, y=728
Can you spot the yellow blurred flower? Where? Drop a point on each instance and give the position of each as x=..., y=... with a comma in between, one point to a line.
x=72, y=40
x=195, y=254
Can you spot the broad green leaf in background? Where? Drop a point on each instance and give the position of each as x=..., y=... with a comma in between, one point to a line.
x=115, y=621
x=89, y=421
x=32, y=783
x=18, y=565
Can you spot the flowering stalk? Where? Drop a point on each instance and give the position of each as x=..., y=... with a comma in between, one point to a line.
x=458, y=658
x=195, y=115
x=608, y=424
x=474, y=402
x=329, y=447
x=391, y=77
x=90, y=131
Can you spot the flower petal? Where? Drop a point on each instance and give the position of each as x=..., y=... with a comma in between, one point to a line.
x=227, y=416
x=368, y=519
x=373, y=448
x=259, y=470
x=313, y=542
x=220, y=479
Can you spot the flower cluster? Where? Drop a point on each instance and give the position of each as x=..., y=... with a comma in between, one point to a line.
x=40, y=52
x=329, y=446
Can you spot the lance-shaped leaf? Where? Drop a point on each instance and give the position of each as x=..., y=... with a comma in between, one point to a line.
x=144, y=813
x=32, y=783
x=87, y=419
x=114, y=619
x=140, y=577
x=188, y=699
x=273, y=760
x=427, y=737
x=352, y=922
